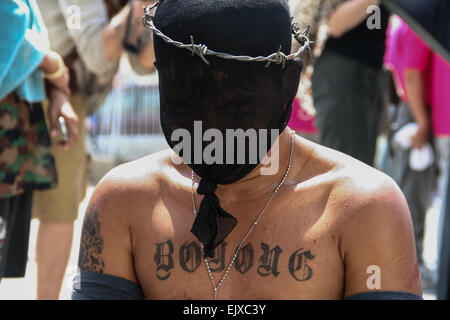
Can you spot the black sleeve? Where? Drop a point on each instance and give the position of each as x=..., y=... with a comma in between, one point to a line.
x=384, y=295
x=97, y=286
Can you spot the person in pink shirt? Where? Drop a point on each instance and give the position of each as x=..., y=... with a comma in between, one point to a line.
x=422, y=79
x=302, y=122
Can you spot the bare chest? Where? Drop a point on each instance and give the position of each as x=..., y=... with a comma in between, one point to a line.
x=291, y=254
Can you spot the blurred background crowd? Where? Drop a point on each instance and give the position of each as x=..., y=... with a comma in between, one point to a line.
x=79, y=96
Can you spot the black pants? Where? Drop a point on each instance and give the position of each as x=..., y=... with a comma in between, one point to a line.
x=348, y=99
x=15, y=220
x=417, y=187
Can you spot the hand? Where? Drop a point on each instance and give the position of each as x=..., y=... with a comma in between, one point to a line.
x=146, y=56
x=421, y=137
x=60, y=106
x=50, y=64
x=62, y=83
x=137, y=7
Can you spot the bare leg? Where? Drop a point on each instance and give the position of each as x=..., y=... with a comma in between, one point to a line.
x=52, y=254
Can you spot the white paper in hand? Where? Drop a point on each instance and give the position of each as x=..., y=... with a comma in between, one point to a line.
x=421, y=159
x=402, y=139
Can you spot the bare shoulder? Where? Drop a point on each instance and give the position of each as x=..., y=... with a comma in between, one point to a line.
x=107, y=234
x=358, y=189
x=126, y=183
x=368, y=194
x=374, y=225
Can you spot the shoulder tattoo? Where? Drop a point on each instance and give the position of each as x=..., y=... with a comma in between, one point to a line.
x=91, y=246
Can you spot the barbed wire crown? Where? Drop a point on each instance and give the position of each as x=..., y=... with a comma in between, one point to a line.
x=202, y=50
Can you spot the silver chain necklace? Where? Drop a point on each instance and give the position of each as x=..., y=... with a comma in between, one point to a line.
x=216, y=287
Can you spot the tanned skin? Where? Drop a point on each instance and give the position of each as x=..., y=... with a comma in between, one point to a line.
x=333, y=218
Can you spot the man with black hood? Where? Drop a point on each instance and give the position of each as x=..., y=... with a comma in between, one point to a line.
x=301, y=222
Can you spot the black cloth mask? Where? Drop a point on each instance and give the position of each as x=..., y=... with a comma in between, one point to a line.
x=226, y=94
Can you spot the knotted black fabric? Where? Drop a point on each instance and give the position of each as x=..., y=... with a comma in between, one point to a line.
x=213, y=223
x=224, y=94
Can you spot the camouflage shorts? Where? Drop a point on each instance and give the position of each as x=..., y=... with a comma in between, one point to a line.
x=25, y=159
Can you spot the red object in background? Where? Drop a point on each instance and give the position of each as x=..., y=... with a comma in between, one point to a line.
x=300, y=120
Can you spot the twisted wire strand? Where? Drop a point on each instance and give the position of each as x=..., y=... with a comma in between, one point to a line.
x=202, y=50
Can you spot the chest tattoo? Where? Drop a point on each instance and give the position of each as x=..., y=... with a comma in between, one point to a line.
x=264, y=261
